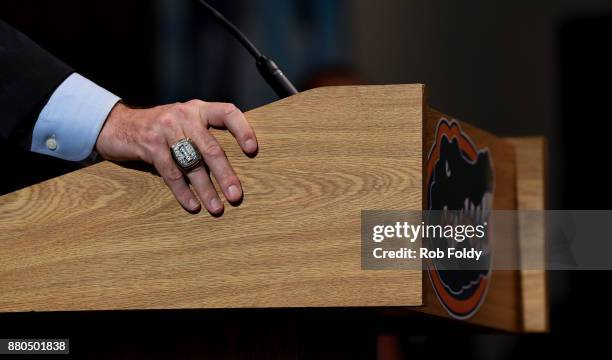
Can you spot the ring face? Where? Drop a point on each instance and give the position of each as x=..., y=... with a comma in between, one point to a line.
x=186, y=154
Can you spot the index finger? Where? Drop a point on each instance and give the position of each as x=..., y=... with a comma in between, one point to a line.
x=226, y=115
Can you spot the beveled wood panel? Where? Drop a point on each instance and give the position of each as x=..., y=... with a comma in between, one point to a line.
x=531, y=165
x=501, y=308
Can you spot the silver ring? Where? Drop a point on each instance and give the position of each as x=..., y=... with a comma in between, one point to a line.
x=186, y=154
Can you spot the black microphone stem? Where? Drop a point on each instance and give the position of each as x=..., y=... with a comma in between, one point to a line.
x=267, y=68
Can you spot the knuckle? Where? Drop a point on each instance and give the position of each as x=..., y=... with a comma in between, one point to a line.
x=153, y=137
x=213, y=150
x=231, y=179
x=227, y=177
x=229, y=108
x=173, y=174
x=181, y=109
x=166, y=120
x=210, y=196
x=247, y=134
x=209, y=192
x=196, y=102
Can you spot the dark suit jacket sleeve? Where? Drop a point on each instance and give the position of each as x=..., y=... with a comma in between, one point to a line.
x=28, y=77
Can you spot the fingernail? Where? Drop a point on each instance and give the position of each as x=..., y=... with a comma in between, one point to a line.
x=233, y=192
x=215, y=205
x=193, y=205
x=250, y=145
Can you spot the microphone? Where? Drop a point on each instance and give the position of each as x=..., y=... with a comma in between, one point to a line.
x=267, y=68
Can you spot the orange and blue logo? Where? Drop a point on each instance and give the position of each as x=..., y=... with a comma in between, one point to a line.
x=460, y=182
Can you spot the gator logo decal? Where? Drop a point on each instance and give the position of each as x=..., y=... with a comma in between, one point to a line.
x=460, y=181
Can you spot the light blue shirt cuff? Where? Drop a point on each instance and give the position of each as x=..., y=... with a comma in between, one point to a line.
x=69, y=124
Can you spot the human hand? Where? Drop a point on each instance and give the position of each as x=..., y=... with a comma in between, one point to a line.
x=148, y=134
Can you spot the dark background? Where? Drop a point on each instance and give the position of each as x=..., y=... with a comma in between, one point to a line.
x=511, y=67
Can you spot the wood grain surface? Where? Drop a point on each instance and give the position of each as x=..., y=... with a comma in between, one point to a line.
x=531, y=165
x=111, y=237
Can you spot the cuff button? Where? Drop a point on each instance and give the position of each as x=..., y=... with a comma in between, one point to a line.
x=51, y=144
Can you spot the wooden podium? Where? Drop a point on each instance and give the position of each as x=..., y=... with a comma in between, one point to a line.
x=109, y=237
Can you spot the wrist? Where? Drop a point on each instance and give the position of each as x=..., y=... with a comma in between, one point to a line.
x=108, y=136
